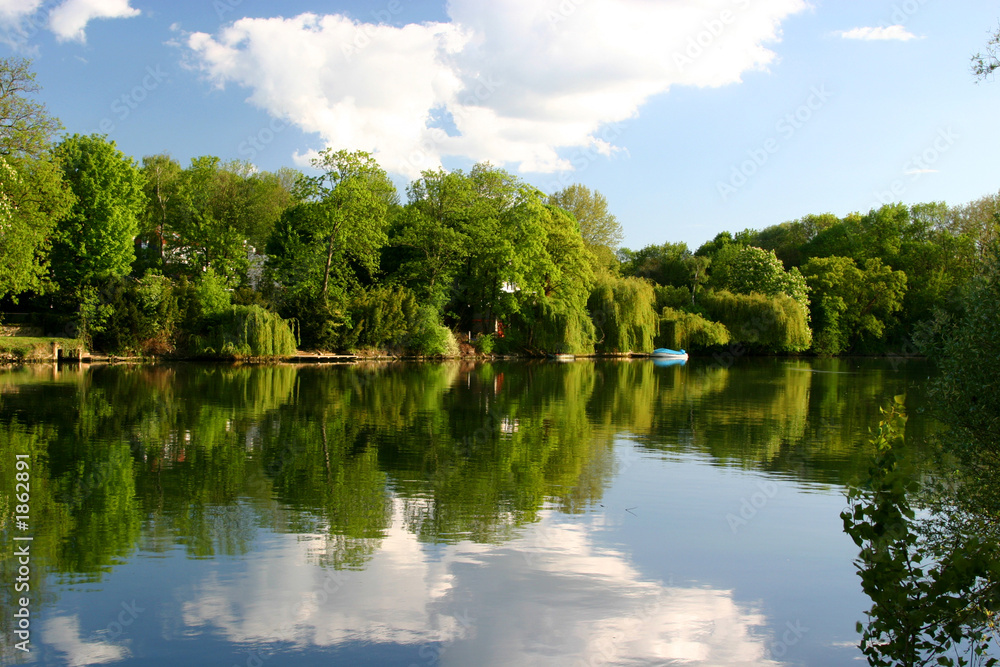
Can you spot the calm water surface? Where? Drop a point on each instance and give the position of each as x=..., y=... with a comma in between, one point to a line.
x=585, y=513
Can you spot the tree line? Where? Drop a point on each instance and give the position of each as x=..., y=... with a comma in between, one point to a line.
x=222, y=259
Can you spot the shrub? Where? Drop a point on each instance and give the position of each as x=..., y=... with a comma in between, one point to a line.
x=623, y=315
x=429, y=337
x=382, y=317
x=680, y=330
x=775, y=324
x=485, y=343
x=243, y=332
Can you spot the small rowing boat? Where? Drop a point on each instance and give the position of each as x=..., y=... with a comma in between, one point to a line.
x=664, y=353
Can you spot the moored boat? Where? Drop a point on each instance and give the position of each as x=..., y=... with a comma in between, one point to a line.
x=665, y=353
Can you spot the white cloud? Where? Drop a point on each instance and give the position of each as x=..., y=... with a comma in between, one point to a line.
x=17, y=22
x=63, y=633
x=69, y=20
x=893, y=32
x=511, y=81
x=608, y=613
x=12, y=12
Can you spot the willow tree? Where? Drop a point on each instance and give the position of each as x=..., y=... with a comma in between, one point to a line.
x=623, y=314
x=766, y=323
x=554, y=318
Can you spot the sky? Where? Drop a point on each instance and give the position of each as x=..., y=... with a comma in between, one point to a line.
x=691, y=118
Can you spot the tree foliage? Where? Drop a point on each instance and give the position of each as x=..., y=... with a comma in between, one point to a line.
x=599, y=228
x=622, y=310
x=984, y=63
x=929, y=604
x=681, y=330
x=95, y=241
x=32, y=195
x=851, y=305
x=773, y=324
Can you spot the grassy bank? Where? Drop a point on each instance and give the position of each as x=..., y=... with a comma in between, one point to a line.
x=27, y=348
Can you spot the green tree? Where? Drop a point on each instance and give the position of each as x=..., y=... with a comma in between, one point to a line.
x=667, y=264
x=754, y=270
x=601, y=231
x=428, y=238
x=95, y=241
x=851, y=305
x=932, y=601
x=162, y=190
x=323, y=246
x=555, y=319
x=788, y=239
x=622, y=310
x=969, y=387
x=32, y=194
x=352, y=198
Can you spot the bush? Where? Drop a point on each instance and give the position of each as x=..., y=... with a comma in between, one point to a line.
x=382, y=317
x=680, y=330
x=485, y=343
x=429, y=337
x=209, y=296
x=775, y=324
x=245, y=332
x=668, y=296
x=623, y=315
x=131, y=316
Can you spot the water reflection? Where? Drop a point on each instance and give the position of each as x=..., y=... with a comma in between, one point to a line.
x=453, y=506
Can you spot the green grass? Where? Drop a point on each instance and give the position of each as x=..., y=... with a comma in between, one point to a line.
x=31, y=347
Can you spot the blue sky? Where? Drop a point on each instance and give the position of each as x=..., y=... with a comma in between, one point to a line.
x=691, y=117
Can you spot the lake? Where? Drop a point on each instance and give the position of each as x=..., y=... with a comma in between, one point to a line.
x=458, y=513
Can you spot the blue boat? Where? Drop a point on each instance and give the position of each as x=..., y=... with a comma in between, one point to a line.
x=664, y=353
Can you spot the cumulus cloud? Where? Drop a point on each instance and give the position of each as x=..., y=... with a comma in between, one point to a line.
x=891, y=33
x=16, y=22
x=512, y=81
x=608, y=612
x=12, y=12
x=63, y=633
x=69, y=20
